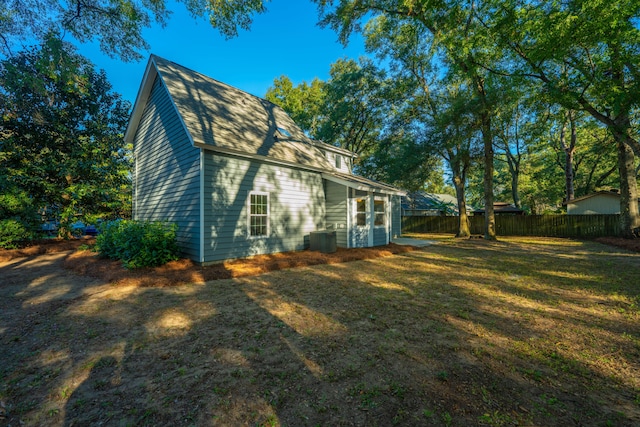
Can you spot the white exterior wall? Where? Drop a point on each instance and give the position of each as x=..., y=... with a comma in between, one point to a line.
x=599, y=204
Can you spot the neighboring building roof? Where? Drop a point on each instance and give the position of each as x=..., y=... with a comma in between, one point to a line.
x=422, y=201
x=222, y=118
x=597, y=193
x=502, y=207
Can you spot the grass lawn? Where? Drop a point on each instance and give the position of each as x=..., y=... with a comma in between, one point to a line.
x=524, y=331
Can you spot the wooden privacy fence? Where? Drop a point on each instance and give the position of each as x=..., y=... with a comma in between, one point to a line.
x=521, y=225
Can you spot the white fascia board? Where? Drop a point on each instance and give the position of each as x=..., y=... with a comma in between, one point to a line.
x=361, y=186
x=141, y=100
x=175, y=108
x=143, y=97
x=258, y=157
x=324, y=146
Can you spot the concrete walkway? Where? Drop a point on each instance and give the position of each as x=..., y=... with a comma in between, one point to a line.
x=412, y=242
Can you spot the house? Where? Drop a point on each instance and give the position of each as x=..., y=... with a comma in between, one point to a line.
x=239, y=177
x=419, y=203
x=598, y=203
x=502, y=208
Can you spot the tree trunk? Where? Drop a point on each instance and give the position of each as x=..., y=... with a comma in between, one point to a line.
x=489, y=214
x=464, y=229
x=629, y=216
x=515, y=193
x=569, y=150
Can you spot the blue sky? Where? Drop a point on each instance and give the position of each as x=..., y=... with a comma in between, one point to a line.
x=285, y=40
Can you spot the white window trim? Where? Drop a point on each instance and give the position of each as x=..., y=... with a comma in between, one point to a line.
x=386, y=216
x=367, y=214
x=268, y=216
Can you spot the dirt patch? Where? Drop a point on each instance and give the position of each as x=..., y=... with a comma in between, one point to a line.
x=628, y=244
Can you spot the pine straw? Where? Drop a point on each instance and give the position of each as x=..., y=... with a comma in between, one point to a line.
x=628, y=244
x=45, y=246
x=186, y=271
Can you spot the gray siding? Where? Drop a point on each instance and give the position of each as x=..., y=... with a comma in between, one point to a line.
x=296, y=206
x=396, y=217
x=379, y=236
x=167, y=178
x=336, y=196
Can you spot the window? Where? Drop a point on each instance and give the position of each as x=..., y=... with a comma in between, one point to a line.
x=338, y=161
x=361, y=212
x=379, y=212
x=258, y=214
x=284, y=132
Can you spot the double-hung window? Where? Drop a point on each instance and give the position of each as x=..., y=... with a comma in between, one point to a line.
x=258, y=214
x=379, y=210
x=361, y=212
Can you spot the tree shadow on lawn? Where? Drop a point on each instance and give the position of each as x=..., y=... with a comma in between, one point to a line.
x=405, y=340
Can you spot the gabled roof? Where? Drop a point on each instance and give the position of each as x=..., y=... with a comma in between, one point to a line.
x=222, y=118
x=501, y=207
x=419, y=200
x=225, y=119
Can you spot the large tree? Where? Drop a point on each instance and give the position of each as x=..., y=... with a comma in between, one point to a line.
x=61, y=134
x=304, y=102
x=438, y=112
x=349, y=110
x=451, y=28
x=356, y=105
x=585, y=54
x=116, y=24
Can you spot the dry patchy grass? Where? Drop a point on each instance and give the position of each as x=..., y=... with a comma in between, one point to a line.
x=517, y=332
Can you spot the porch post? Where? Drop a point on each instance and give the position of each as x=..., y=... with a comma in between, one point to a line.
x=371, y=217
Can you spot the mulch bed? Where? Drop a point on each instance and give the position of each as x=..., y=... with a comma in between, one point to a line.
x=628, y=244
x=184, y=271
x=45, y=246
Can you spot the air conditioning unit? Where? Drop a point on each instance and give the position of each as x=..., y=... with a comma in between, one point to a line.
x=323, y=241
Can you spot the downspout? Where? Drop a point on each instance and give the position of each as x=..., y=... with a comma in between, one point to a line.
x=388, y=218
x=349, y=222
x=202, y=181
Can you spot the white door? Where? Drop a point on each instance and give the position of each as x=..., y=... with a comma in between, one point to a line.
x=362, y=221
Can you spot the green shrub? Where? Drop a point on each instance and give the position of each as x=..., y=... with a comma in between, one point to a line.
x=13, y=232
x=138, y=243
x=18, y=219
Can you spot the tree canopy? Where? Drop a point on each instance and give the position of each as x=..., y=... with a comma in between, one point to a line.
x=117, y=25
x=61, y=135
x=580, y=55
